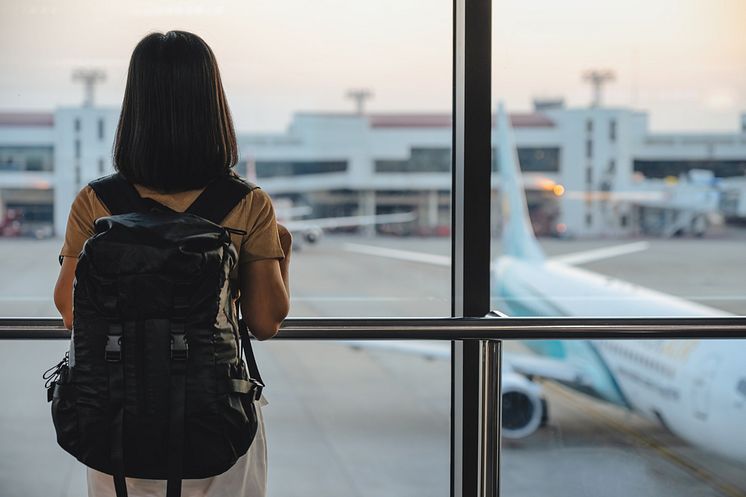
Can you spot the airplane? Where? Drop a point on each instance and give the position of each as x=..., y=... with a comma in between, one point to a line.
x=311, y=230
x=695, y=388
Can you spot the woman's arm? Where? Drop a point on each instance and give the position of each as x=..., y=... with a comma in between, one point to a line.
x=264, y=298
x=264, y=301
x=265, y=292
x=286, y=242
x=63, y=290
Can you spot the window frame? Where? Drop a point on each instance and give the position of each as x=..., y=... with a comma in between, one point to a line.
x=475, y=335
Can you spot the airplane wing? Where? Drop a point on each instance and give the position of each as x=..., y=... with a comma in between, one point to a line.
x=535, y=366
x=424, y=349
x=349, y=221
x=529, y=365
x=586, y=256
x=572, y=259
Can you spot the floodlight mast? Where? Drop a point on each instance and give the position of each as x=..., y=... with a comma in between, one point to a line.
x=359, y=96
x=90, y=78
x=597, y=80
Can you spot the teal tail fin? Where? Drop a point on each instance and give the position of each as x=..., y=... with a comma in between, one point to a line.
x=518, y=238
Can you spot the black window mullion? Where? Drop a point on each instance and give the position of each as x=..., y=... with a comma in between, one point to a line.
x=470, y=208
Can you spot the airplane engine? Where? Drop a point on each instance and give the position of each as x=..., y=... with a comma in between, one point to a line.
x=312, y=235
x=523, y=408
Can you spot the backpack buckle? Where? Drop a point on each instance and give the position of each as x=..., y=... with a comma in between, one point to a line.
x=179, y=347
x=256, y=391
x=113, y=350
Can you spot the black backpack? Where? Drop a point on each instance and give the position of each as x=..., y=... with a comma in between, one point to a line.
x=155, y=386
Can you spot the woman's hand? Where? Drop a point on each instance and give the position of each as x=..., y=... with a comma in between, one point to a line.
x=63, y=290
x=286, y=239
x=286, y=242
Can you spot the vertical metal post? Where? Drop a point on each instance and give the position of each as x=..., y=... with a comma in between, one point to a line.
x=471, y=361
x=491, y=417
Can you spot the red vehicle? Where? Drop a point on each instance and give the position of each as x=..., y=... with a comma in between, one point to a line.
x=10, y=223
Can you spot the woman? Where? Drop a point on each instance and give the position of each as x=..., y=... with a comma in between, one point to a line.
x=175, y=135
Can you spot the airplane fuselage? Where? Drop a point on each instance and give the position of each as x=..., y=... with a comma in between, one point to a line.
x=696, y=388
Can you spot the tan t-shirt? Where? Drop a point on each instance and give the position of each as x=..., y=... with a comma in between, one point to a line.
x=254, y=214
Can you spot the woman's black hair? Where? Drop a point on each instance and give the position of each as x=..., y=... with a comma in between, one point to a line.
x=175, y=131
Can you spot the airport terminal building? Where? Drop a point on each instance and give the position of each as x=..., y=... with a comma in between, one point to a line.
x=593, y=171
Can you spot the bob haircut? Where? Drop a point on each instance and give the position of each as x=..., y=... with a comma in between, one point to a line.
x=175, y=131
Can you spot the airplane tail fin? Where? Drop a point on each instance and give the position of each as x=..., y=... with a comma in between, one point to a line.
x=518, y=238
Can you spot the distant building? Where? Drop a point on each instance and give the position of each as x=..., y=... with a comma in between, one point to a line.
x=83, y=141
x=26, y=173
x=582, y=166
x=590, y=159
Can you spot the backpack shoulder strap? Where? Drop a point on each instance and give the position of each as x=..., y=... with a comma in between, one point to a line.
x=118, y=194
x=254, y=377
x=220, y=197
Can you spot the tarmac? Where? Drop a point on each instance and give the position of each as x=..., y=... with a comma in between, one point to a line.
x=359, y=423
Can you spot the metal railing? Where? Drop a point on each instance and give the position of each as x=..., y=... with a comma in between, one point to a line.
x=503, y=328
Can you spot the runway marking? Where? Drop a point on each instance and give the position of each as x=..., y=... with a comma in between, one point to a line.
x=365, y=299
x=25, y=299
x=405, y=255
x=704, y=475
x=577, y=258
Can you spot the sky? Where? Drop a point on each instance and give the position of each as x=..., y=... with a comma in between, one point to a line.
x=683, y=61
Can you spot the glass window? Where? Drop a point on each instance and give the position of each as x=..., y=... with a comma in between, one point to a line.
x=645, y=215
x=26, y=158
x=663, y=168
x=310, y=131
x=333, y=426
x=645, y=417
x=420, y=160
x=318, y=92
x=534, y=159
x=270, y=169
